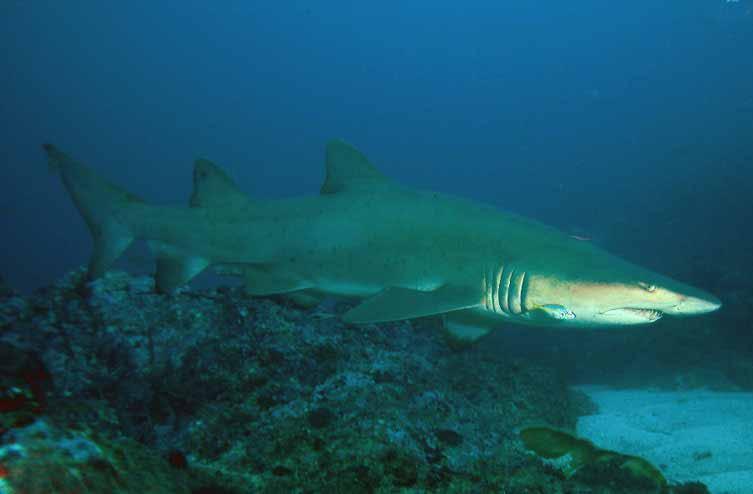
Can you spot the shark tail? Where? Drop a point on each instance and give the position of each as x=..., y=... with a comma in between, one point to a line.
x=99, y=202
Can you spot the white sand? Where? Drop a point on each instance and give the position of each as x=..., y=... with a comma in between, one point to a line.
x=689, y=435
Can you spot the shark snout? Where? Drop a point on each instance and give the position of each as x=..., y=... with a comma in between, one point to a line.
x=693, y=305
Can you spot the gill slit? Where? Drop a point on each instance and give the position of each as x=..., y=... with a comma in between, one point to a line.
x=511, y=292
x=524, y=293
x=515, y=300
x=490, y=288
x=495, y=289
x=504, y=289
x=485, y=289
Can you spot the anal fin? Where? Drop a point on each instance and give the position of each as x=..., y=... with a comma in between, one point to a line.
x=265, y=280
x=305, y=299
x=395, y=303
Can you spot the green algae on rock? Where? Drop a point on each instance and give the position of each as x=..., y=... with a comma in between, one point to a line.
x=571, y=454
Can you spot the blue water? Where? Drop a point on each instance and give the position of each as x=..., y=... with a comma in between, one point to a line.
x=628, y=122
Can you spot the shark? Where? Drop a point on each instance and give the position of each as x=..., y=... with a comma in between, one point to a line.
x=403, y=253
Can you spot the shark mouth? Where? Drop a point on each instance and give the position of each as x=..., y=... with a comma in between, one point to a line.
x=646, y=315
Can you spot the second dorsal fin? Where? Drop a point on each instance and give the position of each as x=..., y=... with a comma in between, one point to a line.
x=347, y=169
x=213, y=187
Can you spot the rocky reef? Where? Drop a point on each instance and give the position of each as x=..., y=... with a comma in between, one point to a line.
x=110, y=387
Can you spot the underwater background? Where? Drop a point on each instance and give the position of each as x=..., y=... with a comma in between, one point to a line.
x=627, y=123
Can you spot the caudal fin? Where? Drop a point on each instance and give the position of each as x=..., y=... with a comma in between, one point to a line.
x=98, y=201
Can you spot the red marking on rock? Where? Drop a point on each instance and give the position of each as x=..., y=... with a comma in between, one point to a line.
x=177, y=459
x=3, y=471
x=12, y=404
x=37, y=379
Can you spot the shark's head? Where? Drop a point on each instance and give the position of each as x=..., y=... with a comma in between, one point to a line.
x=591, y=288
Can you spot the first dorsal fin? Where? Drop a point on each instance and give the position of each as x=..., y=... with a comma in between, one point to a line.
x=213, y=187
x=348, y=168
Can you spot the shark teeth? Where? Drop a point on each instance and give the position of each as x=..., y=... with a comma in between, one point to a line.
x=649, y=315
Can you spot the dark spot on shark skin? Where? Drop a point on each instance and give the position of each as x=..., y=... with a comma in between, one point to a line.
x=269, y=399
x=320, y=418
x=365, y=477
x=212, y=489
x=272, y=358
x=449, y=437
x=102, y=465
x=318, y=444
x=402, y=468
x=384, y=377
x=442, y=475
x=281, y=471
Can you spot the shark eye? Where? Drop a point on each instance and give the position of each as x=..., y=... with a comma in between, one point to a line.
x=646, y=286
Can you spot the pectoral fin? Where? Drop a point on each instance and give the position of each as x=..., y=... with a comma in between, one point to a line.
x=262, y=280
x=395, y=304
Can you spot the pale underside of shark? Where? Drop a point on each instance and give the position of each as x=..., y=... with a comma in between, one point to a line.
x=406, y=253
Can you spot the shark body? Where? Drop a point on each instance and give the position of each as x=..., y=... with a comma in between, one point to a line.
x=407, y=253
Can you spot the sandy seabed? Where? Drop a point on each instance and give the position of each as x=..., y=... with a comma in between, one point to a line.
x=690, y=435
